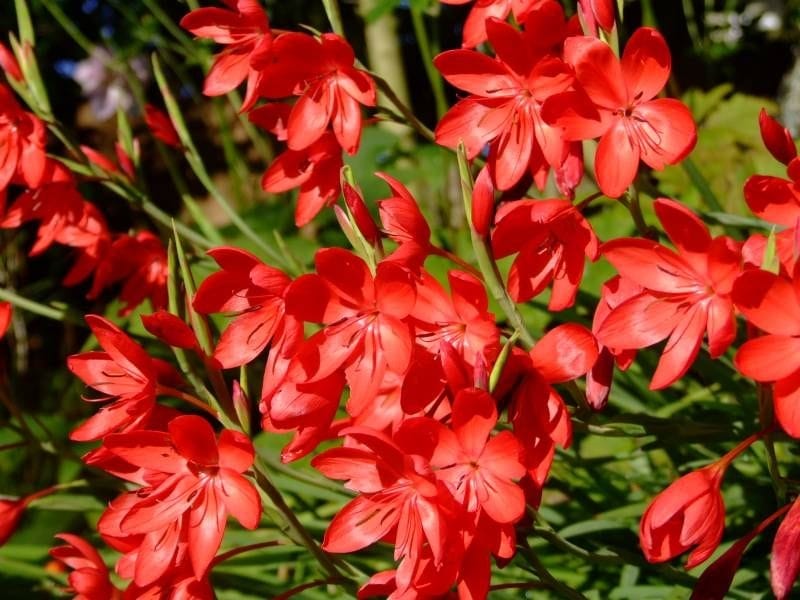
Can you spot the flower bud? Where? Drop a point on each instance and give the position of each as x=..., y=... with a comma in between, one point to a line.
x=689, y=513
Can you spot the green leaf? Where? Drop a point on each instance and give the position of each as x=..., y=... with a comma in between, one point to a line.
x=587, y=527
x=69, y=502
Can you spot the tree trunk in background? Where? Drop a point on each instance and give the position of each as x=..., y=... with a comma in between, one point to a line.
x=386, y=59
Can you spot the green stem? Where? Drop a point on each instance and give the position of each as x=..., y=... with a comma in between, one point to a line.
x=334, y=16
x=434, y=78
x=631, y=201
x=69, y=26
x=407, y=113
x=486, y=263
x=293, y=523
x=700, y=182
x=767, y=418
x=563, y=590
x=57, y=314
x=195, y=161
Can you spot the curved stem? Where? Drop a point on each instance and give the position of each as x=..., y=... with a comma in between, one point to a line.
x=483, y=252
x=457, y=260
x=166, y=390
x=293, y=523
x=220, y=558
x=334, y=16
x=413, y=121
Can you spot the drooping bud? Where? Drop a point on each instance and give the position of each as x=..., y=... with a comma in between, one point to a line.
x=776, y=138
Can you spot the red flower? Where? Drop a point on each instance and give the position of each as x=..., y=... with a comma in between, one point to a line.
x=22, y=144
x=331, y=89
x=399, y=496
x=197, y=482
x=404, y=224
x=124, y=373
x=315, y=170
x=688, y=514
x=483, y=10
x=598, y=381
x=632, y=123
x=505, y=103
x=686, y=294
x=140, y=261
x=552, y=240
x=64, y=217
x=479, y=469
x=366, y=331
x=161, y=126
x=772, y=304
x=538, y=413
x=245, y=30
x=89, y=577
x=255, y=291
x=462, y=318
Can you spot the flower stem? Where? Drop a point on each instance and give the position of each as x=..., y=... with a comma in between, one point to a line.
x=491, y=275
x=57, y=314
x=334, y=16
x=166, y=390
x=294, y=525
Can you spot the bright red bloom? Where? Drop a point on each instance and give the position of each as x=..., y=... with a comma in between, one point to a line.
x=552, y=240
x=538, y=413
x=5, y=317
x=461, y=318
x=688, y=514
x=623, y=110
x=772, y=304
x=89, y=578
x=366, y=331
x=479, y=469
x=399, y=499
x=475, y=26
x=196, y=481
x=254, y=291
x=161, y=126
x=64, y=216
x=140, y=261
x=686, y=293
x=244, y=29
x=123, y=373
x=332, y=91
x=505, y=103
x=404, y=224
x=315, y=170
x=294, y=404
x=598, y=381
x=22, y=144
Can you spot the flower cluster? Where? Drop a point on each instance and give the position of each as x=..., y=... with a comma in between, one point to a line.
x=441, y=417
